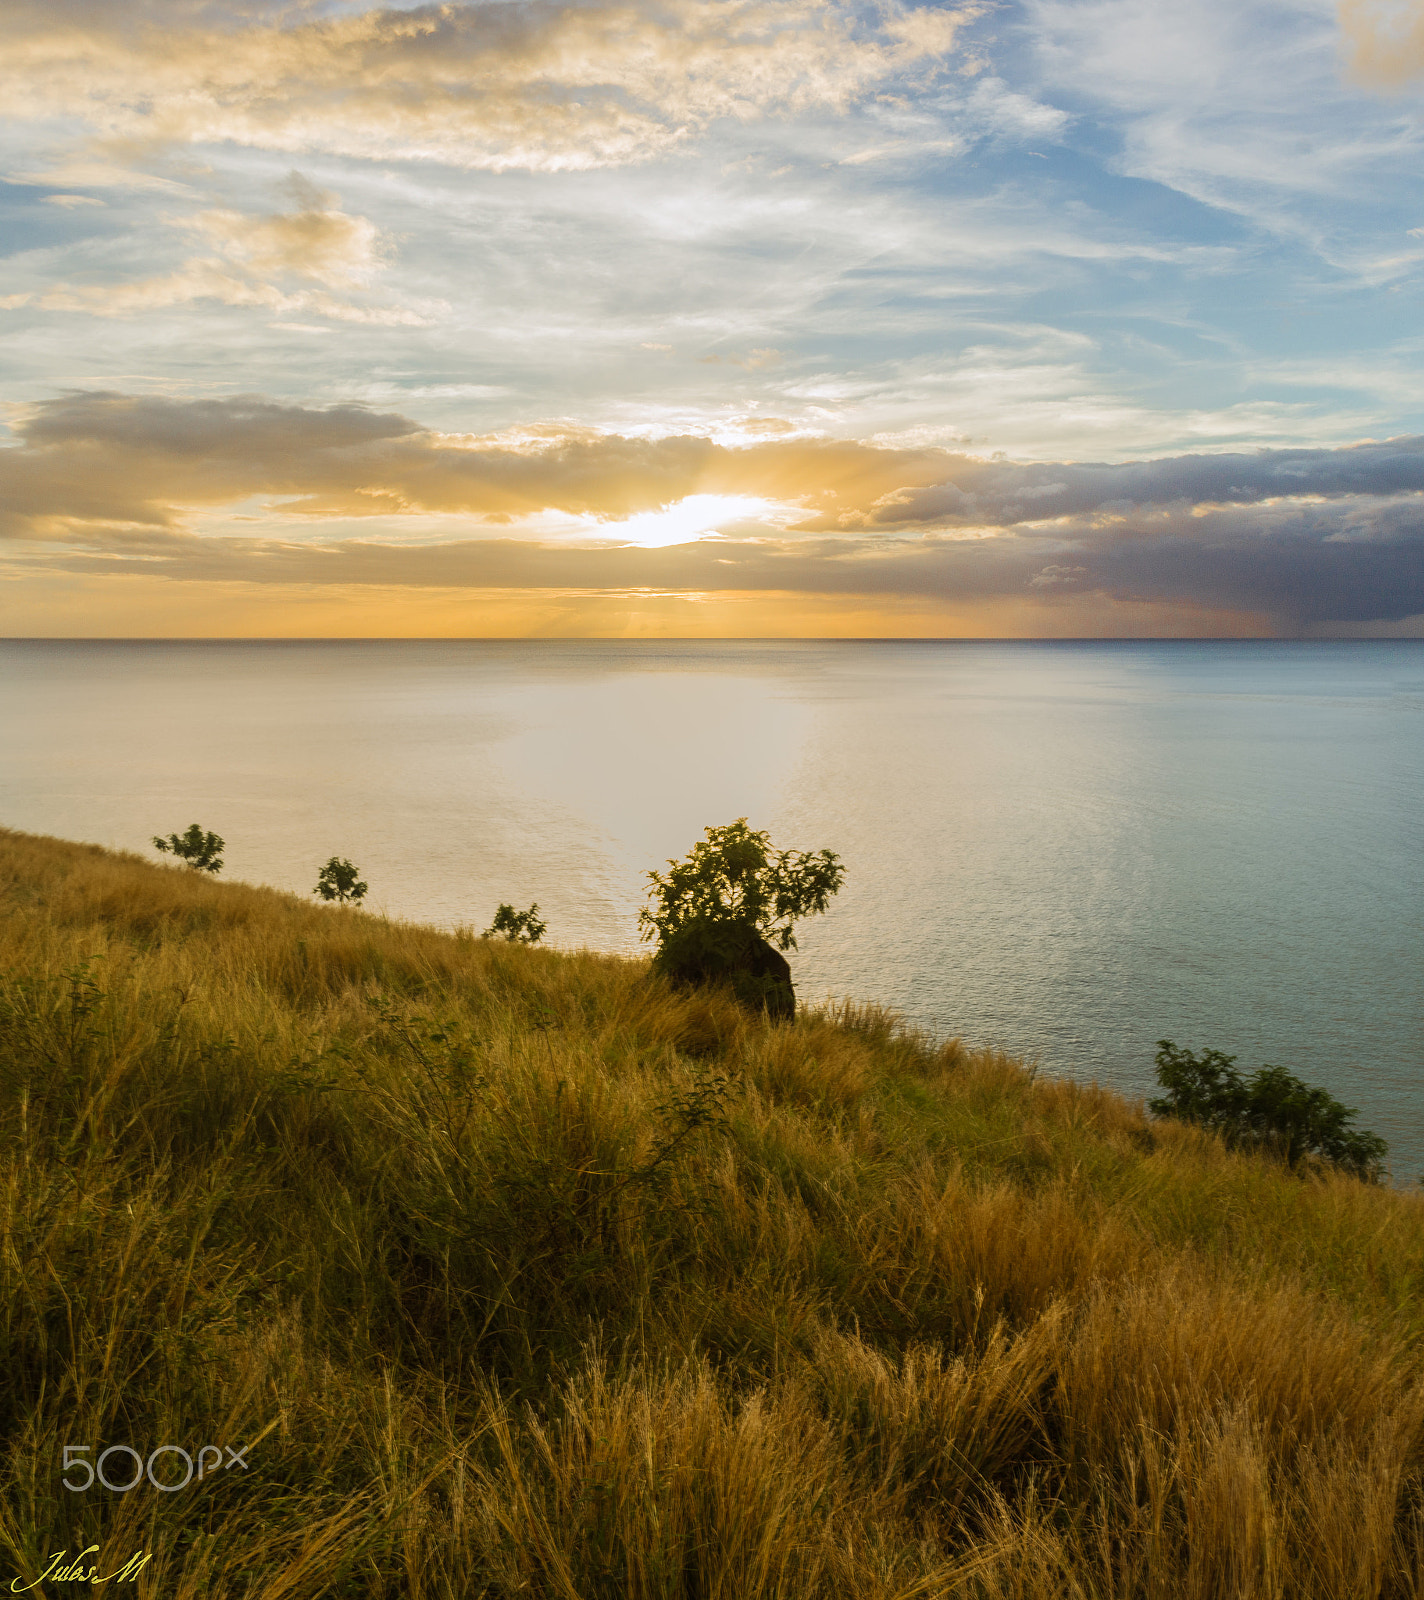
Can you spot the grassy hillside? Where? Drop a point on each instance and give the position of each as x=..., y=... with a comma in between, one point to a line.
x=519, y=1274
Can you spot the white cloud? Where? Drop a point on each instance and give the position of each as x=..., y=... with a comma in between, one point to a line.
x=1054, y=576
x=1241, y=104
x=994, y=107
x=315, y=241
x=542, y=86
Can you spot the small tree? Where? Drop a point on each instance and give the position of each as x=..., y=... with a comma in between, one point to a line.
x=339, y=880
x=727, y=909
x=1272, y=1109
x=519, y=927
x=202, y=851
x=1205, y=1089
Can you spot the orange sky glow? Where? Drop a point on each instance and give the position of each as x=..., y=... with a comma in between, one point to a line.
x=736, y=318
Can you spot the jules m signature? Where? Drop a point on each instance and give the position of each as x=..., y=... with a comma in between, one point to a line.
x=62, y=1570
x=161, y=1472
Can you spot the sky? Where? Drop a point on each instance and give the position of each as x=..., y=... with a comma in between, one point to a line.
x=737, y=318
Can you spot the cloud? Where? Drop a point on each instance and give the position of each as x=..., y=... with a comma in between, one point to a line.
x=537, y=85
x=205, y=278
x=1184, y=95
x=753, y=362
x=996, y=108
x=71, y=201
x=109, y=484
x=315, y=241
x=1385, y=43
x=1004, y=494
x=1057, y=577
x=1294, y=577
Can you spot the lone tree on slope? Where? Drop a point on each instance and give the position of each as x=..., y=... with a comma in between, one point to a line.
x=339, y=880
x=725, y=913
x=202, y=851
x=518, y=927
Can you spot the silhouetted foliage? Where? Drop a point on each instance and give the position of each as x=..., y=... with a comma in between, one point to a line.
x=521, y=927
x=727, y=909
x=339, y=880
x=734, y=878
x=1273, y=1109
x=202, y=851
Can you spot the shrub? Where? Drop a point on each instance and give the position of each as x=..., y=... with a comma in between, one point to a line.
x=339, y=880
x=733, y=879
x=519, y=927
x=725, y=911
x=202, y=851
x=1272, y=1109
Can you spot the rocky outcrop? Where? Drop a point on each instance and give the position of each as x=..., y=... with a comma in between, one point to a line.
x=704, y=952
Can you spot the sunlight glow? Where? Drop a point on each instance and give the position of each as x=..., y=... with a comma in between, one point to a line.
x=693, y=517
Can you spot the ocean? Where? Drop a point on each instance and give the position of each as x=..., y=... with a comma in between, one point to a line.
x=1068, y=850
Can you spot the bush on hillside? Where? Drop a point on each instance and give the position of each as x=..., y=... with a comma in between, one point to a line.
x=340, y=881
x=725, y=912
x=1272, y=1109
x=202, y=851
x=519, y=927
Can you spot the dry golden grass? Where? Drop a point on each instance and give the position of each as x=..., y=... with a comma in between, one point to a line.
x=523, y=1275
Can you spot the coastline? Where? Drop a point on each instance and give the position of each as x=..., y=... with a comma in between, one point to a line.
x=525, y=1272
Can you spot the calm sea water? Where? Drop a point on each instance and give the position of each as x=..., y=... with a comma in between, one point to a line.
x=1069, y=850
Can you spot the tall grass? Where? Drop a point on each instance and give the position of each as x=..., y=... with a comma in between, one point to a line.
x=521, y=1274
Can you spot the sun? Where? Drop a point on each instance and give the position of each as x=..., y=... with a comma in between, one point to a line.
x=693, y=517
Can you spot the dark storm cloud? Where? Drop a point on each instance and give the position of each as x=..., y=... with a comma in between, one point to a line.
x=1006, y=493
